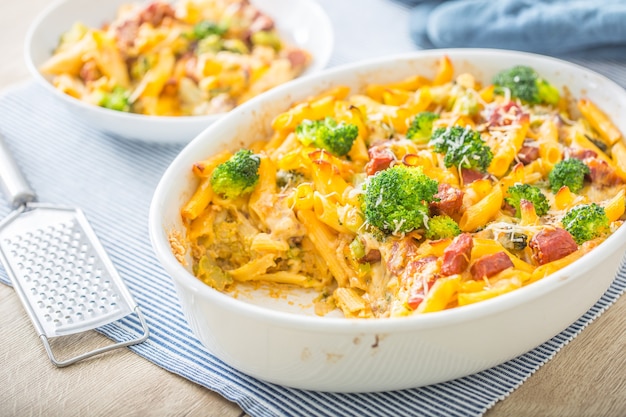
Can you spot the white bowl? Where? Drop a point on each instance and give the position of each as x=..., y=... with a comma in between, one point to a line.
x=281, y=342
x=304, y=23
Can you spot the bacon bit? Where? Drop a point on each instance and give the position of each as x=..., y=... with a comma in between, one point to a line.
x=507, y=114
x=602, y=174
x=417, y=295
x=155, y=12
x=489, y=265
x=89, y=71
x=456, y=257
x=297, y=58
x=372, y=256
x=401, y=251
x=417, y=265
x=506, y=207
x=415, y=299
x=422, y=281
x=580, y=153
x=552, y=244
x=380, y=159
x=524, y=118
x=471, y=175
x=126, y=33
x=262, y=22
x=450, y=200
x=528, y=153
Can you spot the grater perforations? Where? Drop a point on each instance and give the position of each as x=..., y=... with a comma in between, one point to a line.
x=63, y=277
x=58, y=267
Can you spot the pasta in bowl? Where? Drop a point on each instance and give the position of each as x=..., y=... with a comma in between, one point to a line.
x=399, y=206
x=163, y=70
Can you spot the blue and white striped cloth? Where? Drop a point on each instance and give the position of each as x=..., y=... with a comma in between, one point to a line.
x=68, y=162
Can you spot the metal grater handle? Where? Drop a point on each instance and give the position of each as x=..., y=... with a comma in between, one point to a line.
x=13, y=181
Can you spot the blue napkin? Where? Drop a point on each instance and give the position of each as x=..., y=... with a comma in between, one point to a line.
x=556, y=27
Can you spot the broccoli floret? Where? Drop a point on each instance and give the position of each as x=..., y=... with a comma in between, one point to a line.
x=466, y=104
x=266, y=38
x=421, y=128
x=524, y=83
x=570, y=172
x=205, y=28
x=209, y=36
x=463, y=148
x=116, y=99
x=327, y=134
x=235, y=45
x=210, y=273
x=519, y=192
x=441, y=227
x=75, y=34
x=237, y=176
x=288, y=178
x=140, y=66
x=212, y=43
x=585, y=222
x=396, y=199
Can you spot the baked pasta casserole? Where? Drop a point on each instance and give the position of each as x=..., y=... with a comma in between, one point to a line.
x=412, y=197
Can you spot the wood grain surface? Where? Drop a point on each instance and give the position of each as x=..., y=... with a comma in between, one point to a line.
x=586, y=378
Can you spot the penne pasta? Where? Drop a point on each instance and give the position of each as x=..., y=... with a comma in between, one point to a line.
x=599, y=121
x=198, y=201
x=327, y=179
x=445, y=72
x=618, y=152
x=263, y=242
x=324, y=241
x=326, y=211
x=564, y=198
x=551, y=267
x=253, y=268
x=286, y=277
x=580, y=140
x=204, y=169
x=528, y=215
x=501, y=287
x=350, y=301
x=616, y=206
x=440, y=295
x=69, y=58
x=550, y=153
x=413, y=83
x=506, y=153
x=482, y=212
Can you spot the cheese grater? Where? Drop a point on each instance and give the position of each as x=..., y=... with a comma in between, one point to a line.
x=58, y=267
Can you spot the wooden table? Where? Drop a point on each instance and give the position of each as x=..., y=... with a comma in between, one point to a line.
x=587, y=378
